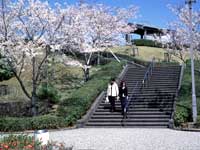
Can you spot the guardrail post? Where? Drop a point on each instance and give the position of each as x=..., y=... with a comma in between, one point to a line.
x=181, y=75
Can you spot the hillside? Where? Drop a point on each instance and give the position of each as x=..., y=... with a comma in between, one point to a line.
x=146, y=53
x=71, y=77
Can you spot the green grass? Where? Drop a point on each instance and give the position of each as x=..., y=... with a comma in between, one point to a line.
x=183, y=112
x=79, y=101
x=16, y=93
x=65, y=77
x=145, y=53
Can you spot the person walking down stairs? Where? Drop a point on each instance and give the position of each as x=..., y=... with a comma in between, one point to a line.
x=112, y=94
x=123, y=95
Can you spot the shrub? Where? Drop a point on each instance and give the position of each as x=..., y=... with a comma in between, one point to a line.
x=144, y=42
x=48, y=92
x=14, y=124
x=47, y=122
x=182, y=115
x=5, y=71
x=198, y=121
x=30, y=123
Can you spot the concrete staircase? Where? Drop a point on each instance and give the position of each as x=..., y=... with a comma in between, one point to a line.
x=151, y=106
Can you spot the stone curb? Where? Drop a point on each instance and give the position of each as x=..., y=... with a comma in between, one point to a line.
x=32, y=131
x=187, y=129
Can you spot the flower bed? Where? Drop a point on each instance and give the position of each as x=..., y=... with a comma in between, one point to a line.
x=26, y=142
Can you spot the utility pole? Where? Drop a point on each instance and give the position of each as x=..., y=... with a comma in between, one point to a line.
x=194, y=101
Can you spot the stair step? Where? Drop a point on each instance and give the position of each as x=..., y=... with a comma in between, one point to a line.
x=133, y=105
x=139, y=103
x=133, y=113
x=142, y=100
x=147, y=101
x=139, y=110
x=138, y=107
x=130, y=120
x=147, y=124
x=153, y=94
x=130, y=116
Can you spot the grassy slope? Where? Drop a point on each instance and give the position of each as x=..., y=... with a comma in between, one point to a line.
x=70, y=78
x=65, y=78
x=184, y=103
x=16, y=93
x=145, y=53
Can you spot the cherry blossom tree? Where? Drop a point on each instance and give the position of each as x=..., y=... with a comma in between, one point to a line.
x=94, y=28
x=29, y=30
x=179, y=34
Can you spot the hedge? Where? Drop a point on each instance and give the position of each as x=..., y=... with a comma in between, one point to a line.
x=144, y=42
x=5, y=71
x=198, y=122
x=31, y=123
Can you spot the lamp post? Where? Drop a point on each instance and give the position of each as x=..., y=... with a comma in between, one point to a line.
x=194, y=101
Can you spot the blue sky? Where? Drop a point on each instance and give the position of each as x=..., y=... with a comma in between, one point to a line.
x=152, y=12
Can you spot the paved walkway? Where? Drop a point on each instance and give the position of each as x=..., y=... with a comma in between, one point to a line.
x=128, y=139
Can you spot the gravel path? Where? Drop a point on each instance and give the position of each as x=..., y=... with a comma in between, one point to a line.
x=127, y=139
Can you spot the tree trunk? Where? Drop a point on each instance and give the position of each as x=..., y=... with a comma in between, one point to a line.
x=34, y=96
x=33, y=104
x=86, y=73
x=98, y=58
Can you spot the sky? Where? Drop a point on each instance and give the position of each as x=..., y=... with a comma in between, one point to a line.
x=151, y=12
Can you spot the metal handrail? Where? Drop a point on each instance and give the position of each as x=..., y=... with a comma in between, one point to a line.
x=129, y=101
x=125, y=60
x=176, y=96
x=148, y=73
x=146, y=77
x=135, y=87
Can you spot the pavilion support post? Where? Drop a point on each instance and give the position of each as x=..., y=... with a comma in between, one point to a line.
x=145, y=34
x=142, y=36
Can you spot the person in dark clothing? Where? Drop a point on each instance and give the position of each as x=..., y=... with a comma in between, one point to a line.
x=123, y=94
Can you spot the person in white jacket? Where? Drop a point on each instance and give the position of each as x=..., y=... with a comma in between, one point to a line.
x=112, y=93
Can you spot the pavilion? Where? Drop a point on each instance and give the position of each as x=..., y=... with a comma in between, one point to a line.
x=144, y=30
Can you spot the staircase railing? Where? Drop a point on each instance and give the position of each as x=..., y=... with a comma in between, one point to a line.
x=175, y=97
x=125, y=60
x=139, y=85
x=148, y=73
